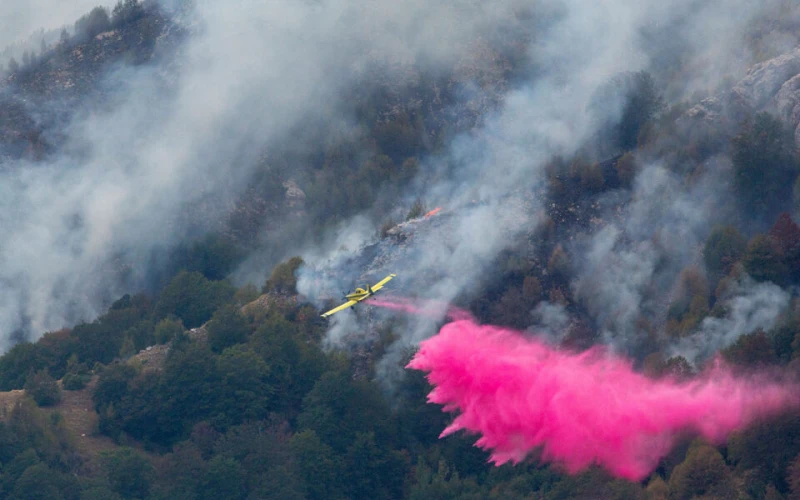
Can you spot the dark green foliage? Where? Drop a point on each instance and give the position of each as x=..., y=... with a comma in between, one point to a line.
x=129, y=473
x=74, y=381
x=189, y=390
x=140, y=335
x=338, y=408
x=167, y=329
x=263, y=452
x=92, y=24
x=786, y=235
x=41, y=482
x=702, y=473
x=443, y=483
x=180, y=473
x=294, y=365
x=51, y=352
x=625, y=105
x=98, y=342
x=126, y=11
x=227, y=327
x=245, y=392
x=418, y=209
x=765, y=165
x=16, y=364
x=321, y=467
x=214, y=257
x=112, y=384
x=102, y=340
x=753, y=350
x=246, y=294
x=769, y=446
x=764, y=261
x=35, y=449
x=724, y=247
x=43, y=388
x=373, y=471
x=282, y=279
x=224, y=478
x=99, y=492
x=419, y=421
x=193, y=298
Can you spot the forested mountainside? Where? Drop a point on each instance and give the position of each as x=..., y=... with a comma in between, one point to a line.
x=186, y=186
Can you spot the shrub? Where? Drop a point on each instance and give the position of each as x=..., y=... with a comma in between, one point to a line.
x=75, y=382
x=43, y=388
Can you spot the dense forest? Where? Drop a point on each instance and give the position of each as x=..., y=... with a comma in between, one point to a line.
x=163, y=339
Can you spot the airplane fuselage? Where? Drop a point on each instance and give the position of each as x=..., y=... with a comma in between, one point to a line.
x=359, y=294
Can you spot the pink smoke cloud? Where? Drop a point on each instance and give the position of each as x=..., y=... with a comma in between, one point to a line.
x=520, y=395
x=432, y=308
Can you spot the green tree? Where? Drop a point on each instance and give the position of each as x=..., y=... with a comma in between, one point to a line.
x=764, y=261
x=227, y=327
x=319, y=465
x=443, y=483
x=765, y=165
x=338, y=408
x=167, y=329
x=418, y=209
x=753, y=349
x=129, y=473
x=180, y=473
x=17, y=363
x=41, y=482
x=702, y=473
x=373, y=471
x=43, y=388
x=244, y=393
x=126, y=11
x=193, y=298
x=768, y=445
x=224, y=478
x=112, y=384
x=295, y=365
x=92, y=24
x=282, y=279
x=724, y=247
x=625, y=105
x=786, y=235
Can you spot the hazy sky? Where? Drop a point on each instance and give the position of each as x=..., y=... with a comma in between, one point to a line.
x=20, y=18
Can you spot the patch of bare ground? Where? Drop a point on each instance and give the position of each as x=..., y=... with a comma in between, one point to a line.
x=8, y=400
x=80, y=419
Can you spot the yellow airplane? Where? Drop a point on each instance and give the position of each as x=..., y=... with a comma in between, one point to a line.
x=359, y=295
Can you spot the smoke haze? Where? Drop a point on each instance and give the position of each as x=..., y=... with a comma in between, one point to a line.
x=185, y=131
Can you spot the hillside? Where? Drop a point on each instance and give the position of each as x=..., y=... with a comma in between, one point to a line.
x=591, y=212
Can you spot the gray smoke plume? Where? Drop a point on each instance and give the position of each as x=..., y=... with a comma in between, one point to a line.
x=626, y=266
x=749, y=306
x=185, y=133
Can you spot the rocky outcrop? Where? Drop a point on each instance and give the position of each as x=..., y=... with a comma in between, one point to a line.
x=772, y=86
x=788, y=103
x=757, y=90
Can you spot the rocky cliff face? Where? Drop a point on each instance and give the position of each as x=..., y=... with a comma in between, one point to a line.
x=772, y=86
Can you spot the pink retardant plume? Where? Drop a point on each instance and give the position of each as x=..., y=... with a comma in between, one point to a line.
x=581, y=409
x=421, y=307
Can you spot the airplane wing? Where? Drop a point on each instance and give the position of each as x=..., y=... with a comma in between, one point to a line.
x=382, y=282
x=349, y=303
